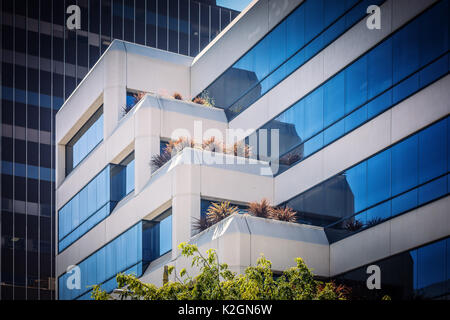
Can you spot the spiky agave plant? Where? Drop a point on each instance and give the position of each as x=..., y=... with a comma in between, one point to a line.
x=219, y=211
x=199, y=100
x=239, y=149
x=212, y=145
x=353, y=225
x=260, y=209
x=283, y=214
x=158, y=160
x=177, y=96
x=173, y=147
x=200, y=224
x=138, y=96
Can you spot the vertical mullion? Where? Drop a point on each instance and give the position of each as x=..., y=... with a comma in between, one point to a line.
x=178, y=27
x=1, y=121
x=167, y=24
x=14, y=156
x=26, y=151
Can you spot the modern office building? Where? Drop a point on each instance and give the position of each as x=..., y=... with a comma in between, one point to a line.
x=42, y=63
x=348, y=125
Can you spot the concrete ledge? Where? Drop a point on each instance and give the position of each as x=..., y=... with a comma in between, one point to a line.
x=239, y=241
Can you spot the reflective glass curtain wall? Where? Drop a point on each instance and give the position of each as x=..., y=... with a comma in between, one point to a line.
x=375, y=82
x=129, y=253
x=421, y=273
x=41, y=64
x=407, y=175
x=300, y=36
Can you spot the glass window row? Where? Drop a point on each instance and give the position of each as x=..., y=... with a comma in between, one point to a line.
x=406, y=175
x=130, y=253
x=300, y=36
x=421, y=273
x=84, y=141
x=372, y=84
x=95, y=201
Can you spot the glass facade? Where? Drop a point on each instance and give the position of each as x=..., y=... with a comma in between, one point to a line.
x=300, y=36
x=157, y=235
x=421, y=273
x=375, y=82
x=405, y=176
x=84, y=141
x=129, y=253
x=41, y=63
x=95, y=201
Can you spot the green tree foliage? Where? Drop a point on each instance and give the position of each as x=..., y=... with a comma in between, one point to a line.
x=216, y=282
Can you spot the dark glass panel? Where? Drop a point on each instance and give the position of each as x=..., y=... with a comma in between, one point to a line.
x=129, y=20
x=173, y=26
x=433, y=151
x=117, y=19
x=162, y=24
x=106, y=17
x=195, y=28
x=140, y=22
x=204, y=25
x=151, y=23
x=184, y=27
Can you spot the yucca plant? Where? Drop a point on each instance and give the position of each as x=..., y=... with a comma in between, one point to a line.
x=177, y=96
x=199, y=100
x=158, y=160
x=200, y=224
x=239, y=149
x=212, y=145
x=283, y=214
x=260, y=209
x=353, y=225
x=219, y=211
x=138, y=96
x=373, y=222
x=173, y=147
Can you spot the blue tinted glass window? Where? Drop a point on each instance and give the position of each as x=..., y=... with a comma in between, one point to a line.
x=433, y=32
x=357, y=184
x=295, y=31
x=334, y=99
x=406, y=51
x=165, y=235
x=84, y=141
x=291, y=127
x=123, y=254
x=379, y=177
x=405, y=202
x=356, y=84
x=277, y=46
x=313, y=115
x=378, y=213
x=380, y=68
x=431, y=267
x=333, y=9
x=433, y=151
x=355, y=119
x=313, y=18
x=405, y=165
x=433, y=190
